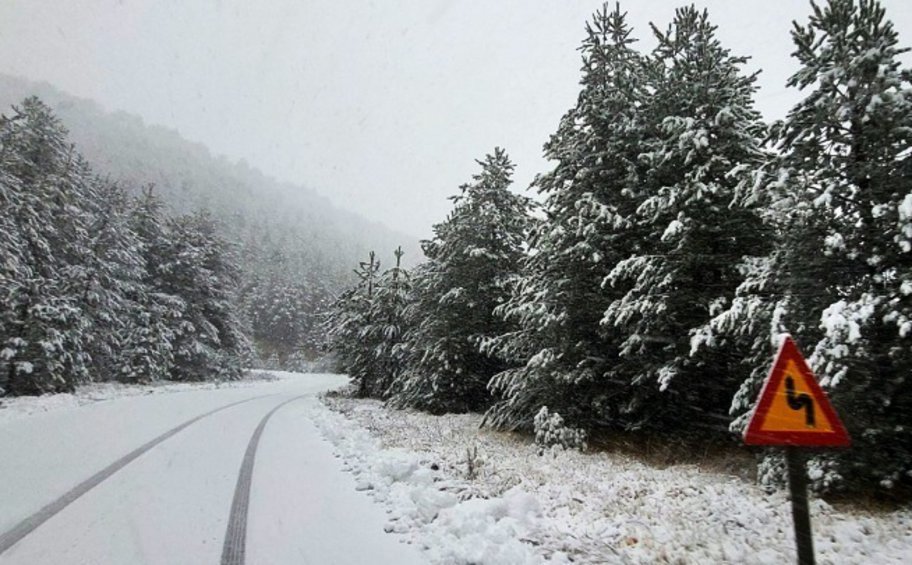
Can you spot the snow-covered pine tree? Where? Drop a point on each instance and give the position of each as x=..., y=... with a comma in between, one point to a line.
x=14, y=268
x=563, y=357
x=278, y=307
x=110, y=278
x=841, y=277
x=94, y=288
x=201, y=271
x=705, y=138
x=315, y=302
x=44, y=193
x=152, y=331
x=383, y=331
x=285, y=289
x=345, y=322
x=471, y=260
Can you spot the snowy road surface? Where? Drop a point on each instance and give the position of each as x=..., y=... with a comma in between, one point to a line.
x=172, y=503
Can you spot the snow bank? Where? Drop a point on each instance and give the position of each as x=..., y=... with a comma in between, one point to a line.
x=448, y=518
x=469, y=496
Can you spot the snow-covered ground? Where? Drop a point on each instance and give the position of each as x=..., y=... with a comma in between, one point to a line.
x=460, y=494
x=513, y=506
x=18, y=407
x=171, y=505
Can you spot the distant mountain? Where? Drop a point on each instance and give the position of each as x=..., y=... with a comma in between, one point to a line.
x=295, y=248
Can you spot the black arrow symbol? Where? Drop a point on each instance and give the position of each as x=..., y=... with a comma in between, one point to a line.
x=800, y=401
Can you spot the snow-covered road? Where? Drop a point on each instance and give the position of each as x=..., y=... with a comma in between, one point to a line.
x=172, y=503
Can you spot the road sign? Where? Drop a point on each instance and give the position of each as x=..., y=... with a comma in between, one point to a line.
x=793, y=410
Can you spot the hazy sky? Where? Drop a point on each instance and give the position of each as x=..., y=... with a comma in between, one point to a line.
x=380, y=105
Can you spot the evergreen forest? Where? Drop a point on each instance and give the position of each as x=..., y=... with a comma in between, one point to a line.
x=674, y=240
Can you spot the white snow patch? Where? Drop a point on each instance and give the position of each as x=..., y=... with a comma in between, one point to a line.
x=905, y=208
x=448, y=518
x=834, y=242
x=673, y=229
x=566, y=506
x=906, y=287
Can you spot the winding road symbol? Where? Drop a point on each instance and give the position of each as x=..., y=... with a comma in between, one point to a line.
x=792, y=409
x=800, y=402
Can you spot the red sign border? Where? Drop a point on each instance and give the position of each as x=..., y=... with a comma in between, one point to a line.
x=754, y=435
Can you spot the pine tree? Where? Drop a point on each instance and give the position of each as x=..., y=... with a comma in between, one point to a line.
x=285, y=291
x=695, y=234
x=153, y=329
x=278, y=305
x=563, y=357
x=200, y=270
x=44, y=188
x=110, y=277
x=841, y=278
x=95, y=287
x=348, y=316
x=14, y=268
x=471, y=259
x=186, y=326
x=382, y=334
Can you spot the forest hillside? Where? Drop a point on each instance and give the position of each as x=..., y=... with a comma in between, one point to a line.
x=294, y=247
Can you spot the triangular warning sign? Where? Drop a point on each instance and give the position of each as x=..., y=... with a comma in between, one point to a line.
x=793, y=409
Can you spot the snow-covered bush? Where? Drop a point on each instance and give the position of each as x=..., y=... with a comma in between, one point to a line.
x=550, y=431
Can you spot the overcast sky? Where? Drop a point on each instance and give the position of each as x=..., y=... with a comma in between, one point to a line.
x=380, y=105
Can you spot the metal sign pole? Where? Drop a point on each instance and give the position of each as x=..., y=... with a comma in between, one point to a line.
x=797, y=477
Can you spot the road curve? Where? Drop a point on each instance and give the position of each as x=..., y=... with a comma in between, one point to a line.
x=253, y=483
x=27, y=526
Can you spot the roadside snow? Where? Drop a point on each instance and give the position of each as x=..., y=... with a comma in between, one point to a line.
x=454, y=522
x=470, y=496
x=13, y=408
x=463, y=495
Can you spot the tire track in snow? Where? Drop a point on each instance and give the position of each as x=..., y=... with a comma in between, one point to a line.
x=12, y=536
x=234, y=550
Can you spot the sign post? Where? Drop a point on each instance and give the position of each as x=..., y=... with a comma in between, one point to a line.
x=801, y=515
x=794, y=412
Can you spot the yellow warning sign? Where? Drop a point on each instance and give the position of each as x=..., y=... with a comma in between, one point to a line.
x=793, y=409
